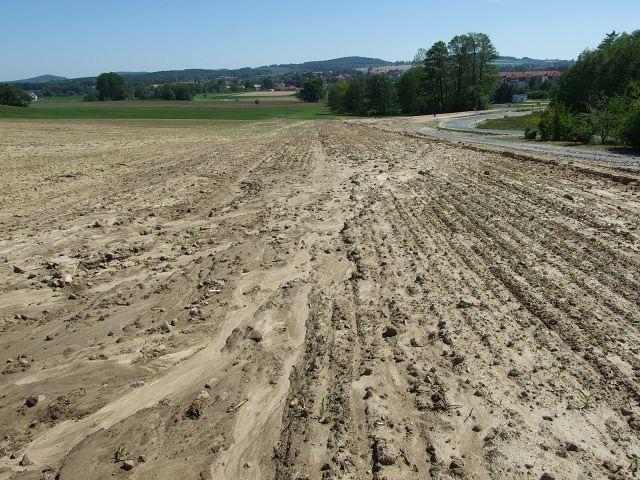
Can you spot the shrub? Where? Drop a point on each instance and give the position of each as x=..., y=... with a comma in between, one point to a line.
x=557, y=123
x=581, y=131
x=90, y=97
x=605, y=114
x=629, y=130
x=14, y=96
x=538, y=95
x=530, y=133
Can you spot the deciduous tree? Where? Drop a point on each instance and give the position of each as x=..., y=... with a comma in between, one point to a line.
x=312, y=90
x=111, y=86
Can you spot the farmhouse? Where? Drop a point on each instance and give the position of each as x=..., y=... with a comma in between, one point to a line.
x=525, y=79
x=282, y=87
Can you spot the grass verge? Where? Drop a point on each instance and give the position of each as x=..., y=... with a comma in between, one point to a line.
x=521, y=122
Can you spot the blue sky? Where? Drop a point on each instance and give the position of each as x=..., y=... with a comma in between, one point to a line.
x=84, y=37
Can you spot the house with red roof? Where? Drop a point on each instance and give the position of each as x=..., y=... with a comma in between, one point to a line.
x=525, y=79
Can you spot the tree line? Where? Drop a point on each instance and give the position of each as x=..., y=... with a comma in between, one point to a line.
x=448, y=77
x=111, y=86
x=598, y=99
x=373, y=95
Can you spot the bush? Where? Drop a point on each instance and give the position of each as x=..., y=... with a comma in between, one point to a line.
x=629, y=130
x=581, y=131
x=14, y=96
x=90, y=97
x=557, y=123
x=538, y=95
x=530, y=133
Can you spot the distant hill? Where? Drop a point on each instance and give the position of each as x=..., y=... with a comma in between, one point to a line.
x=514, y=64
x=40, y=79
x=291, y=72
x=336, y=64
x=343, y=64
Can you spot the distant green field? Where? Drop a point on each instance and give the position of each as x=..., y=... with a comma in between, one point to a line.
x=220, y=107
x=513, y=123
x=243, y=98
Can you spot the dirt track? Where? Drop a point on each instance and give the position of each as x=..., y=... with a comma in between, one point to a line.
x=355, y=303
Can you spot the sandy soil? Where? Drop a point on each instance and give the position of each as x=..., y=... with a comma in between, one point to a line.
x=311, y=300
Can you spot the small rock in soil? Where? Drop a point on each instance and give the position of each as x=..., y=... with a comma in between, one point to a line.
x=385, y=453
x=390, y=331
x=465, y=303
x=33, y=400
x=196, y=409
x=255, y=335
x=455, y=463
x=571, y=447
x=514, y=372
x=457, y=360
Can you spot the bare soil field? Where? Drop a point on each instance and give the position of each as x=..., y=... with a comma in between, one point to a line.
x=311, y=300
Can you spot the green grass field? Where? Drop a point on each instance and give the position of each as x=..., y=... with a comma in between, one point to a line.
x=513, y=123
x=212, y=107
x=528, y=105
